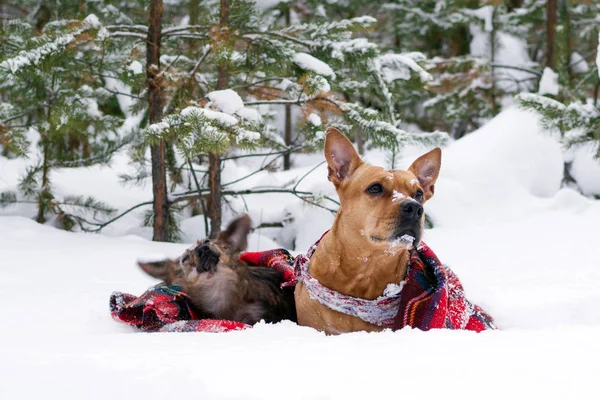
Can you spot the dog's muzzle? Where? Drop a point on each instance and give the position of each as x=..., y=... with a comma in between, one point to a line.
x=409, y=221
x=207, y=259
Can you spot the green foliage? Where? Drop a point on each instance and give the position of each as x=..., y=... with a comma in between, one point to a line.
x=578, y=123
x=52, y=89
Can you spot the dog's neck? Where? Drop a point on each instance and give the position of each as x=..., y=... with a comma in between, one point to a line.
x=353, y=267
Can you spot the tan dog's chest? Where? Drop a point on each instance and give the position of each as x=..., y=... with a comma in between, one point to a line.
x=356, y=271
x=312, y=313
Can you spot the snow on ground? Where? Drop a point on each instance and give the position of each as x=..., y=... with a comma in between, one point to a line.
x=525, y=249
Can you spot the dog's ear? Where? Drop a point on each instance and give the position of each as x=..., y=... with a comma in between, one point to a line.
x=342, y=159
x=157, y=269
x=236, y=234
x=427, y=168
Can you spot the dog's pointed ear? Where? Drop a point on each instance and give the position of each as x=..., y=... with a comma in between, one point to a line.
x=427, y=168
x=236, y=234
x=342, y=158
x=157, y=269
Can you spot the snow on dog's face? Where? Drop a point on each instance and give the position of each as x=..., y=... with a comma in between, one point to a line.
x=384, y=206
x=203, y=260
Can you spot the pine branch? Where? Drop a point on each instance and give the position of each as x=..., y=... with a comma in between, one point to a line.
x=143, y=29
x=168, y=31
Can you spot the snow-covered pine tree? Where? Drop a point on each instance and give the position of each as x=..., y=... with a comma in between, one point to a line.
x=575, y=85
x=53, y=98
x=305, y=65
x=578, y=121
x=459, y=93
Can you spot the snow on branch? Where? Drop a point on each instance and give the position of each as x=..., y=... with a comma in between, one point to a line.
x=310, y=63
x=363, y=22
x=544, y=105
x=27, y=58
x=400, y=66
x=198, y=129
x=485, y=13
x=385, y=134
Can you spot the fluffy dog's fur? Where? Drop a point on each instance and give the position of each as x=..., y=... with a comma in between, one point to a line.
x=222, y=287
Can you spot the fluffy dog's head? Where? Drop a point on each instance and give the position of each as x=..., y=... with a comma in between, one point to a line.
x=383, y=206
x=205, y=258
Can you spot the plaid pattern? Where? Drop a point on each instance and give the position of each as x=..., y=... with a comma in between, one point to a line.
x=280, y=259
x=164, y=308
x=433, y=297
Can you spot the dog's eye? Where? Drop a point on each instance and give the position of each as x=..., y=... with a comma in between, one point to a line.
x=375, y=188
x=419, y=195
x=185, y=258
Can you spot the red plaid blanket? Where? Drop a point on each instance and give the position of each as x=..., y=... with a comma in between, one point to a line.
x=431, y=297
x=164, y=308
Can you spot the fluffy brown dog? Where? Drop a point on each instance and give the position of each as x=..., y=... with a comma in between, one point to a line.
x=363, y=253
x=222, y=287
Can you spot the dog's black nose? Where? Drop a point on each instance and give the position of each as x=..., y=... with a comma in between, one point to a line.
x=207, y=259
x=203, y=249
x=411, y=209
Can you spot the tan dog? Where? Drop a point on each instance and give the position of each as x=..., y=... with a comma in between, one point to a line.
x=362, y=252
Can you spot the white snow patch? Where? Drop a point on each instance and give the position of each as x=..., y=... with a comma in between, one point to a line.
x=578, y=64
x=310, y=63
x=510, y=51
x=397, y=196
x=406, y=241
x=227, y=101
x=586, y=169
x=220, y=117
x=314, y=120
x=152, y=257
x=549, y=82
x=485, y=13
x=250, y=114
x=248, y=136
x=268, y=4
x=319, y=83
x=136, y=67
x=393, y=289
x=399, y=66
x=93, y=21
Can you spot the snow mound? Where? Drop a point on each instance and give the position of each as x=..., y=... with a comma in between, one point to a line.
x=503, y=169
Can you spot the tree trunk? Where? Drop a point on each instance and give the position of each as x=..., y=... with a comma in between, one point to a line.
x=214, y=197
x=214, y=160
x=193, y=12
x=360, y=143
x=550, y=32
x=567, y=50
x=288, y=136
x=493, y=45
x=43, y=196
x=155, y=111
x=288, y=108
